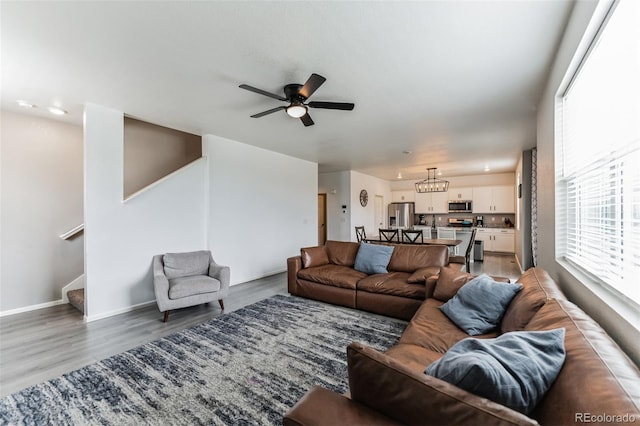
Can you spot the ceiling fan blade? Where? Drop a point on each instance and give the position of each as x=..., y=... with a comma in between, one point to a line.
x=261, y=92
x=267, y=112
x=312, y=85
x=346, y=106
x=306, y=120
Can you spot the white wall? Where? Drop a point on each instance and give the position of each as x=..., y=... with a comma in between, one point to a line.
x=121, y=238
x=337, y=186
x=41, y=198
x=262, y=207
x=366, y=215
x=622, y=331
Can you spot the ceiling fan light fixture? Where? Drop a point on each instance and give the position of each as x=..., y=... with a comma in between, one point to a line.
x=296, y=110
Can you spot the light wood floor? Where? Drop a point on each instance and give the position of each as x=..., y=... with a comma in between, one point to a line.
x=40, y=345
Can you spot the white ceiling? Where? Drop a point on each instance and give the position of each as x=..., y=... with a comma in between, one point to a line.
x=454, y=82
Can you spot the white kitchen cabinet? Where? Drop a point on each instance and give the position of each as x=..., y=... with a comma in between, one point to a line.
x=504, y=199
x=432, y=202
x=460, y=193
x=494, y=199
x=402, y=196
x=497, y=239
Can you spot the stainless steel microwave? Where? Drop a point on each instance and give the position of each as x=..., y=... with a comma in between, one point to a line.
x=460, y=206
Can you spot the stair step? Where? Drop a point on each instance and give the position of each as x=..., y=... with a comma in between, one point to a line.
x=76, y=298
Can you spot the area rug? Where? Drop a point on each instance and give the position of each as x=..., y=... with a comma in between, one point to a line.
x=246, y=367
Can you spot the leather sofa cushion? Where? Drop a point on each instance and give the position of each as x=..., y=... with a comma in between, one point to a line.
x=314, y=256
x=537, y=288
x=332, y=275
x=421, y=275
x=595, y=368
x=191, y=286
x=342, y=253
x=415, y=358
x=431, y=329
x=449, y=282
x=388, y=386
x=409, y=258
x=393, y=283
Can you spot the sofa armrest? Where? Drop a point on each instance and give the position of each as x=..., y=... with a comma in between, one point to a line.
x=221, y=273
x=430, y=285
x=322, y=407
x=384, y=384
x=160, y=283
x=294, y=264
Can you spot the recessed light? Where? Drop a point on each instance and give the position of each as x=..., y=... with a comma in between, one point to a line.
x=25, y=104
x=399, y=175
x=56, y=110
x=487, y=169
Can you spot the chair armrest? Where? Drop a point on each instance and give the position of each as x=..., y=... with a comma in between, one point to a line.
x=322, y=407
x=221, y=273
x=386, y=385
x=160, y=283
x=294, y=264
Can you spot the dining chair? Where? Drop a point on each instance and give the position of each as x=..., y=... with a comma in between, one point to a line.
x=448, y=234
x=412, y=235
x=467, y=253
x=388, y=235
x=360, y=233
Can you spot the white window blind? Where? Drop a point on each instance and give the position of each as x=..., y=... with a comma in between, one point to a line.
x=600, y=157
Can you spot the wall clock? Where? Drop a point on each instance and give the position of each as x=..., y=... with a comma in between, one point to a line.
x=364, y=198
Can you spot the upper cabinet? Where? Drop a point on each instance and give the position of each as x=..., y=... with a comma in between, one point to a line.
x=403, y=196
x=432, y=202
x=494, y=199
x=460, y=193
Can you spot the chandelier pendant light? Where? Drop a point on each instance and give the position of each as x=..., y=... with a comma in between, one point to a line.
x=431, y=183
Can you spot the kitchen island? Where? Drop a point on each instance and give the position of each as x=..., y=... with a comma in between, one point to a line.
x=495, y=238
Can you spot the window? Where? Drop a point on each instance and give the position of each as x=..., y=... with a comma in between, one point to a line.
x=599, y=157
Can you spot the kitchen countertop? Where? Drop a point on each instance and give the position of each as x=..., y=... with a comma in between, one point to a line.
x=463, y=228
x=496, y=227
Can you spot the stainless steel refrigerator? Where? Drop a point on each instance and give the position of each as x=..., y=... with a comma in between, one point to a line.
x=401, y=215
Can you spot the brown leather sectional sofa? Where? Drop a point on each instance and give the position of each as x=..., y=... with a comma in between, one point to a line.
x=597, y=384
x=326, y=273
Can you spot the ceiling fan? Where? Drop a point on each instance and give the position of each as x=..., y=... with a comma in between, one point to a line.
x=297, y=95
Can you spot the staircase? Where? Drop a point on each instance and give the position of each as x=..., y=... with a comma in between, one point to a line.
x=76, y=298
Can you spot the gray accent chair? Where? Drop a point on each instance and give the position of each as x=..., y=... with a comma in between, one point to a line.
x=188, y=279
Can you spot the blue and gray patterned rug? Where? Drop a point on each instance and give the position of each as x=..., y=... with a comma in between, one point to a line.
x=246, y=367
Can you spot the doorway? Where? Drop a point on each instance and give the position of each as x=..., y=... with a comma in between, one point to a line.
x=322, y=219
x=378, y=205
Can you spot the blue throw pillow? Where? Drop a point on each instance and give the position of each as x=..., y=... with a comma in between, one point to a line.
x=479, y=305
x=515, y=369
x=373, y=258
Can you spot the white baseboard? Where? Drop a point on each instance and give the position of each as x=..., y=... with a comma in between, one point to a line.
x=73, y=285
x=31, y=308
x=260, y=276
x=118, y=311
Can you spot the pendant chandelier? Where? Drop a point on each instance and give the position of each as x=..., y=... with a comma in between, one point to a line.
x=431, y=183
